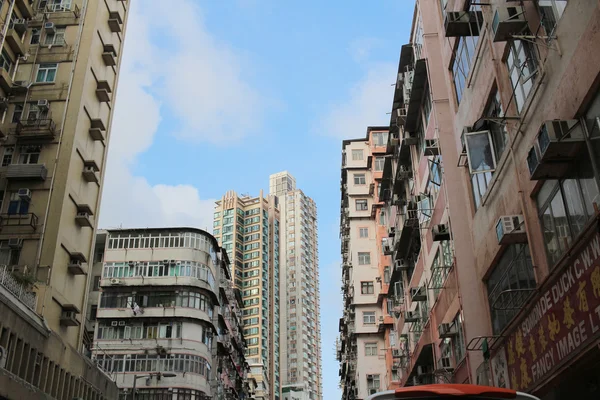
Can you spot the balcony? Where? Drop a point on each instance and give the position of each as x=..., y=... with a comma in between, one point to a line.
x=8, y=282
x=83, y=217
x=90, y=171
x=36, y=129
x=115, y=21
x=6, y=82
x=76, y=264
x=103, y=91
x=97, y=129
x=33, y=172
x=28, y=220
x=13, y=39
x=109, y=55
x=25, y=7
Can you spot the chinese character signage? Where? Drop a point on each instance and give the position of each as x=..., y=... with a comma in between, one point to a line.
x=564, y=319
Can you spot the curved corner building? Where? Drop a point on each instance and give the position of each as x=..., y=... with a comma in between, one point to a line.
x=167, y=305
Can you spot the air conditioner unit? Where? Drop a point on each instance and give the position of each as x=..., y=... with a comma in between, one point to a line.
x=114, y=323
x=83, y=214
x=69, y=318
x=24, y=194
x=418, y=294
x=43, y=104
x=391, y=231
x=411, y=316
x=440, y=232
x=23, y=84
x=50, y=28
x=400, y=265
x=511, y=229
x=508, y=21
x=20, y=25
x=446, y=331
x=115, y=281
x=372, y=391
x=422, y=370
x=403, y=172
x=463, y=23
x=445, y=363
x=396, y=353
x=121, y=323
x=387, y=246
x=431, y=147
x=15, y=243
x=557, y=145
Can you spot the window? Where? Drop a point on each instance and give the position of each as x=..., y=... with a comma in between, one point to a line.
x=36, y=113
x=9, y=256
x=371, y=349
x=465, y=52
x=361, y=205
x=35, y=36
x=46, y=73
x=17, y=113
x=5, y=61
x=363, y=233
x=359, y=179
x=56, y=5
x=96, y=286
x=497, y=142
x=93, y=313
x=57, y=38
x=368, y=317
x=379, y=138
x=16, y=205
x=459, y=342
x=565, y=207
x=30, y=154
x=386, y=274
x=509, y=284
x=357, y=155
x=8, y=155
x=366, y=288
x=364, y=258
x=551, y=11
x=379, y=163
x=427, y=105
x=522, y=69
x=373, y=383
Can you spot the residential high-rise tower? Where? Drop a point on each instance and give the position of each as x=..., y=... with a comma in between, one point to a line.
x=300, y=312
x=248, y=229
x=59, y=69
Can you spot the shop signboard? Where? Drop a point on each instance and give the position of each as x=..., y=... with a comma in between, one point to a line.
x=564, y=319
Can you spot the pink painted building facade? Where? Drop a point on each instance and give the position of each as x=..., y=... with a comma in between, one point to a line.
x=490, y=184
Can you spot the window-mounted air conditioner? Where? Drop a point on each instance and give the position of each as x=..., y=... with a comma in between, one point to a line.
x=511, y=229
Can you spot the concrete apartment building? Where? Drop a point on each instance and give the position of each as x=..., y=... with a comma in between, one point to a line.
x=59, y=68
x=167, y=304
x=248, y=229
x=366, y=326
x=491, y=180
x=299, y=292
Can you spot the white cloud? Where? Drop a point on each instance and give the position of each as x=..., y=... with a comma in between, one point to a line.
x=361, y=48
x=171, y=64
x=367, y=104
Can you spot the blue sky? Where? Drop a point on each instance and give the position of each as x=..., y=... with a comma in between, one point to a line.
x=218, y=95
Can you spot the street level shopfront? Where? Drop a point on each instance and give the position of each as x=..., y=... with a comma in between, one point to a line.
x=553, y=348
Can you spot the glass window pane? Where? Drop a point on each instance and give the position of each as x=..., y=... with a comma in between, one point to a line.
x=577, y=214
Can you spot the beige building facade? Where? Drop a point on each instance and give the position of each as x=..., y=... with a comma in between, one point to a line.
x=365, y=328
x=58, y=77
x=299, y=290
x=248, y=229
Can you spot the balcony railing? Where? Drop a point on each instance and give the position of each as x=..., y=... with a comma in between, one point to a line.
x=36, y=128
x=20, y=291
x=29, y=219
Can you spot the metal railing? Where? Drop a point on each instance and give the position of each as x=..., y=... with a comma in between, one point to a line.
x=8, y=281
